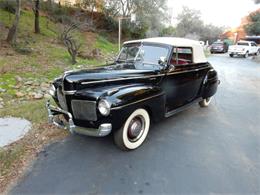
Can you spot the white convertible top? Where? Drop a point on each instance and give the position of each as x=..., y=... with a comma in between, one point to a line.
x=198, y=52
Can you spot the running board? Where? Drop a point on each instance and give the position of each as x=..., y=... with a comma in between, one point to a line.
x=170, y=113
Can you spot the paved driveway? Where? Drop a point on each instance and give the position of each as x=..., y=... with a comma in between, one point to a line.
x=201, y=150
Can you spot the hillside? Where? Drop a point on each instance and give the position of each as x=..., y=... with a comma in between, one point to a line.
x=26, y=70
x=43, y=57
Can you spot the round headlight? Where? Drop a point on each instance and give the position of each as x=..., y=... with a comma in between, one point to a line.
x=52, y=90
x=104, y=107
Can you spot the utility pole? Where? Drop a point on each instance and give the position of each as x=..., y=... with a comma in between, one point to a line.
x=119, y=33
x=133, y=19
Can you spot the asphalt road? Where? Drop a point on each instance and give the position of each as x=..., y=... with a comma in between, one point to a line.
x=201, y=150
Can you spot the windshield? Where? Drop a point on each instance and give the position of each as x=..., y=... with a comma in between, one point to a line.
x=144, y=55
x=217, y=43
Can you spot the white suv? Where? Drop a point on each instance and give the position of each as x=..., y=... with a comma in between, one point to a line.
x=244, y=48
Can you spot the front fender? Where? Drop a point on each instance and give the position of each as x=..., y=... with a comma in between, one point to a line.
x=130, y=98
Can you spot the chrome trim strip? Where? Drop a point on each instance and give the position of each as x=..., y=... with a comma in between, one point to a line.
x=129, y=104
x=185, y=71
x=177, y=110
x=121, y=79
x=72, y=92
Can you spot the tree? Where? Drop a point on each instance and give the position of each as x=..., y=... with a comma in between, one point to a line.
x=11, y=37
x=168, y=31
x=150, y=14
x=36, y=16
x=211, y=33
x=120, y=7
x=153, y=14
x=253, y=28
x=70, y=42
x=190, y=25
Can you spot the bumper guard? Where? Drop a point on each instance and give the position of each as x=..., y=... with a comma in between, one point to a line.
x=54, y=112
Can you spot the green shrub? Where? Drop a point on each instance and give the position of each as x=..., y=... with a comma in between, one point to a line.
x=8, y=6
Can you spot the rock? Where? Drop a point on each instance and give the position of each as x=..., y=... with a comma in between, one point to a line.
x=38, y=96
x=19, y=94
x=17, y=86
x=36, y=84
x=96, y=52
x=45, y=85
x=47, y=96
x=1, y=106
x=29, y=89
x=84, y=55
x=28, y=83
x=9, y=54
x=18, y=79
x=2, y=90
x=44, y=89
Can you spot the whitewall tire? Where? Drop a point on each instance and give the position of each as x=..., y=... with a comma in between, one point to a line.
x=133, y=133
x=205, y=102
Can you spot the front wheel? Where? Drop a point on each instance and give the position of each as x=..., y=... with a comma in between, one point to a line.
x=205, y=102
x=133, y=133
x=231, y=55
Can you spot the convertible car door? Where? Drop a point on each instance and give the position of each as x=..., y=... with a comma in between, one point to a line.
x=183, y=80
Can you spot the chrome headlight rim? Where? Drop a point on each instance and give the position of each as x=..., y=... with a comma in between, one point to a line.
x=52, y=90
x=104, y=107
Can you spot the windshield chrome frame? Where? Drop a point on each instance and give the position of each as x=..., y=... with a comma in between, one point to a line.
x=168, y=47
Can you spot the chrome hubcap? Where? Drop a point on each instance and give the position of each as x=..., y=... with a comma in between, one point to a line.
x=136, y=128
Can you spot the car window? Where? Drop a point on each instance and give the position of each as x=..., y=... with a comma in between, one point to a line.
x=182, y=56
x=243, y=44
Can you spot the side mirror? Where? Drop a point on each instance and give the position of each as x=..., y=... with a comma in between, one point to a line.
x=162, y=61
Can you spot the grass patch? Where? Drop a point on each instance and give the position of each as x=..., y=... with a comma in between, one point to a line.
x=105, y=46
x=33, y=111
x=7, y=82
x=27, y=20
x=9, y=157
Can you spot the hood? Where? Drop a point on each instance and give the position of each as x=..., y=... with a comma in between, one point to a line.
x=115, y=71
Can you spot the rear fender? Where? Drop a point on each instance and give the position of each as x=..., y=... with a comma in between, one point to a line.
x=210, y=84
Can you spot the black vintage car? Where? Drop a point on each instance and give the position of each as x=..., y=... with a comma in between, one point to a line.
x=151, y=79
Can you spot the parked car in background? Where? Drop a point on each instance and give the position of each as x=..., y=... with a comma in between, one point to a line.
x=244, y=48
x=151, y=79
x=219, y=47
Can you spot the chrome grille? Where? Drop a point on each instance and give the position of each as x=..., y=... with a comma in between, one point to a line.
x=62, y=100
x=84, y=110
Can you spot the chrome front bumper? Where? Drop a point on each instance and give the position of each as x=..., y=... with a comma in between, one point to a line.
x=53, y=117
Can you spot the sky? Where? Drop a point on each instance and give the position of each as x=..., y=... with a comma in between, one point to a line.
x=226, y=13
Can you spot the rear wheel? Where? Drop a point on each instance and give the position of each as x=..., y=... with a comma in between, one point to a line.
x=205, y=102
x=133, y=133
x=231, y=55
